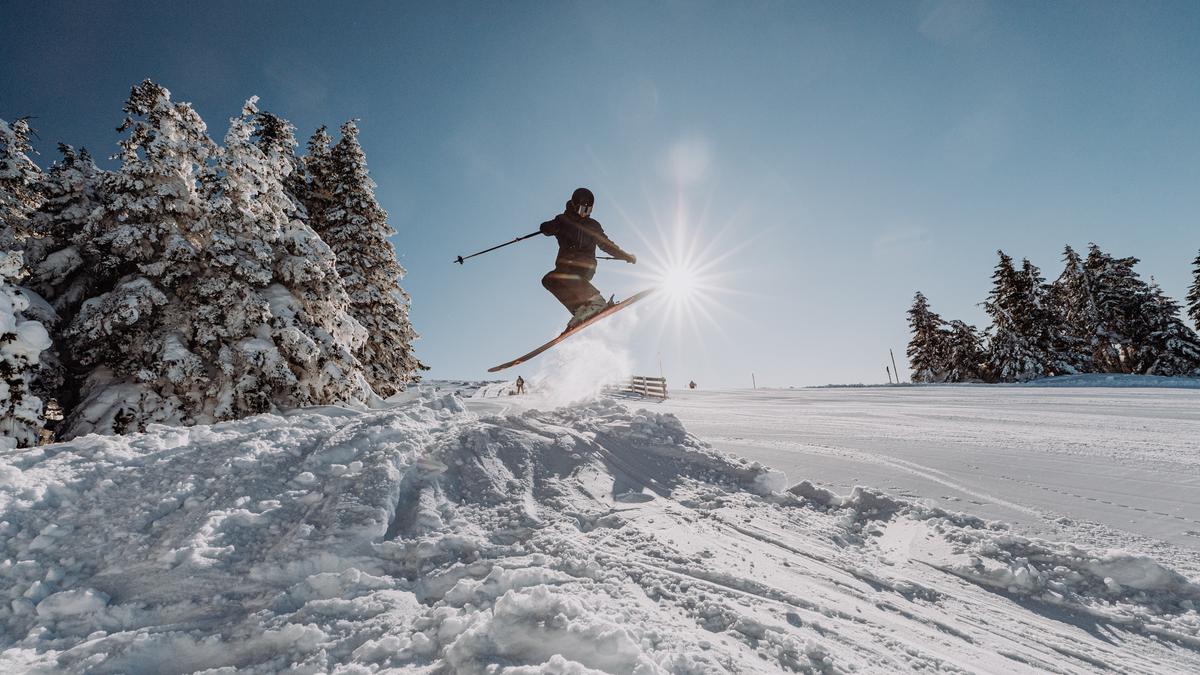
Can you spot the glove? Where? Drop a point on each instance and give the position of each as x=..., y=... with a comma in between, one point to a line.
x=631, y=258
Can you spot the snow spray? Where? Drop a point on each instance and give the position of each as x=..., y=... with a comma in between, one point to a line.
x=579, y=368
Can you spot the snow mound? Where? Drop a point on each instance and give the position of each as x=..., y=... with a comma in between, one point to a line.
x=1061, y=573
x=592, y=538
x=1115, y=585
x=416, y=536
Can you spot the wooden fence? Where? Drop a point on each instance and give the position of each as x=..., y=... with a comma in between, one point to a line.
x=645, y=387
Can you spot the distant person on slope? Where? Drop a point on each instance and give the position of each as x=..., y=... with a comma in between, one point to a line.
x=578, y=236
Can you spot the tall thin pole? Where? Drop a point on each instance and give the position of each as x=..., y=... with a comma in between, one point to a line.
x=894, y=365
x=462, y=258
x=753, y=382
x=889, y=372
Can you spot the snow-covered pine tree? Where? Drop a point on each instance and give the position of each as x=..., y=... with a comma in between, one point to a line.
x=232, y=307
x=927, y=349
x=319, y=179
x=57, y=281
x=152, y=199
x=1072, y=308
x=1170, y=347
x=1043, y=324
x=351, y=221
x=125, y=340
x=18, y=184
x=277, y=136
x=966, y=359
x=1193, y=296
x=1015, y=352
x=271, y=309
x=21, y=342
x=1118, y=292
x=72, y=191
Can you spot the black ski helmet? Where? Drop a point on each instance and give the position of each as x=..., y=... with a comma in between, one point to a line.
x=581, y=202
x=583, y=197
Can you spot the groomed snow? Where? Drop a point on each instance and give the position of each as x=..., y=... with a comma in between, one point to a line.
x=1110, y=466
x=443, y=536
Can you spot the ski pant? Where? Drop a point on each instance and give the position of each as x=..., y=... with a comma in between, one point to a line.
x=571, y=284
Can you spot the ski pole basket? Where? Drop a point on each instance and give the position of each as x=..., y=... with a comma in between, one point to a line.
x=643, y=387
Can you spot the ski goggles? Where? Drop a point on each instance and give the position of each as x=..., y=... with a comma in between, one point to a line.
x=584, y=210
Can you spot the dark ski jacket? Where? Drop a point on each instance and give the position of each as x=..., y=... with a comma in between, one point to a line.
x=577, y=241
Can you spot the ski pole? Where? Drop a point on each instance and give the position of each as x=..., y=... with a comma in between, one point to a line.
x=460, y=258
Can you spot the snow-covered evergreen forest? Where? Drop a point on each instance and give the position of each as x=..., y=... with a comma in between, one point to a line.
x=196, y=281
x=1098, y=316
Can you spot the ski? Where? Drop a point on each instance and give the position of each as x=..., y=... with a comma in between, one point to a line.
x=608, y=311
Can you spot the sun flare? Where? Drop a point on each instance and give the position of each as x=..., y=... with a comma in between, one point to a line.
x=678, y=282
x=685, y=257
x=687, y=269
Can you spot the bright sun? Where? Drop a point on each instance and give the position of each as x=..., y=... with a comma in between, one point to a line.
x=684, y=267
x=686, y=263
x=678, y=282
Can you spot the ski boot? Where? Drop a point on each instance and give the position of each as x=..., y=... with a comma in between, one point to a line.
x=589, y=309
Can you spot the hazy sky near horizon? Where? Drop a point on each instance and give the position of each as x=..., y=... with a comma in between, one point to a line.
x=831, y=158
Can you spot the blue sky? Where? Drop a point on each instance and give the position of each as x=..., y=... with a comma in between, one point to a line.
x=836, y=157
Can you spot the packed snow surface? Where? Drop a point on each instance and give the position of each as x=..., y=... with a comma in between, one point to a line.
x=1111, y=466
x=443, y=536
x=1108, y=380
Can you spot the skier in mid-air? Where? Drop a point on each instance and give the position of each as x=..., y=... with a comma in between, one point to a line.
x=578, y=236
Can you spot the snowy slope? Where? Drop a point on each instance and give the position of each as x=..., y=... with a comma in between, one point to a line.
x=428, y=538
x=1106, y=467
x=1109, y=380
x=471, y=388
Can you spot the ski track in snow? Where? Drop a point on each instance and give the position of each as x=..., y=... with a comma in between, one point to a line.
x=443, y=537
x=1111, y=467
